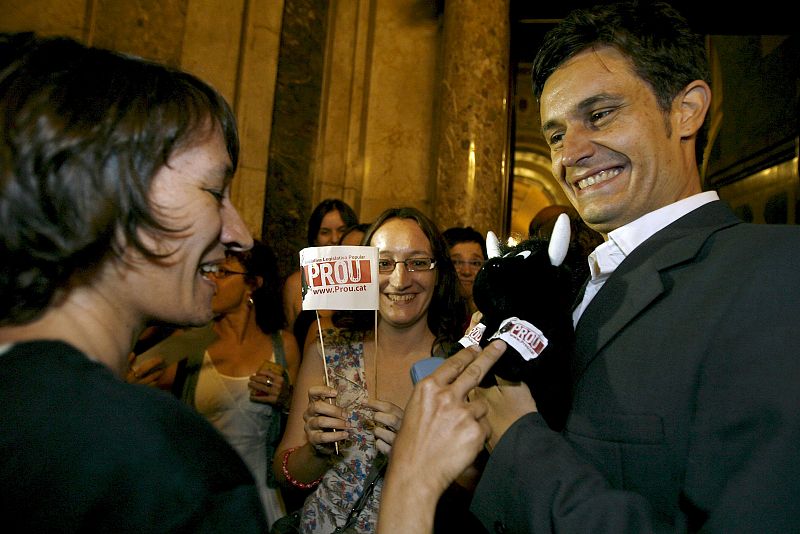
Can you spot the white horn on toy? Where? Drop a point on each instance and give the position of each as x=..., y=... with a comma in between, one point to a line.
x=559, y=240
x=492, y=245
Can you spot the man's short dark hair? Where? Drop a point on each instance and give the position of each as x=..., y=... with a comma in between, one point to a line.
x=664, y=50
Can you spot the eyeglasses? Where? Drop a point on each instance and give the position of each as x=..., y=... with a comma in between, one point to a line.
x=222, y=272
x=472, y=264
x=387, y=266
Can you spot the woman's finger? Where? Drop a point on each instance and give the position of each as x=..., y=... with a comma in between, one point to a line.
x=384, y=407
x=151, y=365
x=327, y=423
x=384, y=434
x=388, y=420
x=466, y=368
x=472, y=374
x=320, y=392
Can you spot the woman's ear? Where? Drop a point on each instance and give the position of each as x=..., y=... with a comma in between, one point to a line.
x=254, y=282
x=693, y=104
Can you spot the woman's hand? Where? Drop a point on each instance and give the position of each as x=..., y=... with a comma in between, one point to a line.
x=147, y=373
x=387, y=421
x=268, y=386
x=325, y=423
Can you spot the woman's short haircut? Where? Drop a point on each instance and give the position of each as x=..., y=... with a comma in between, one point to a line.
x=464, y=234
x=83, y=131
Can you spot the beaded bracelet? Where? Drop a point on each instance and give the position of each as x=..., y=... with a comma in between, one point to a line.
x=293, y=481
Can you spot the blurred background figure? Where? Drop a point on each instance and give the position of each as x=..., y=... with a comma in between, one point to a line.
x=353, y=235
x=468, y=252
x=239, y=374
x=326, y=225
x=583, y=237
x=583, y=240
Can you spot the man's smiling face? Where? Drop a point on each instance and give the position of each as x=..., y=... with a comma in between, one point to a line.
x=611, y=144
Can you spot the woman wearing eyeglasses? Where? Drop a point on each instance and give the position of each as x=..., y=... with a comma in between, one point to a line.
x=335, y=434
x=468, y=252
x=238, y=370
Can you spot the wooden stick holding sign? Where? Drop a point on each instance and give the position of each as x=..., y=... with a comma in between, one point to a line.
x=339, y=278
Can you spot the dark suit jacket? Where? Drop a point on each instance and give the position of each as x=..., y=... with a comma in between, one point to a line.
x=686, y=382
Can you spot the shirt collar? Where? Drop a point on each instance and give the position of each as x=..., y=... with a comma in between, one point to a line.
x=622, y=241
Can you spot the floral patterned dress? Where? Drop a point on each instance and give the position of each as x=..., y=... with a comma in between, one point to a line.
x=328, y=507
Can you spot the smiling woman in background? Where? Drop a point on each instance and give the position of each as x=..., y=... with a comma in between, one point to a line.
x=420, y=314
x=327, y=224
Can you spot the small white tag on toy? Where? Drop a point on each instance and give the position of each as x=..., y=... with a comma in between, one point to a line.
x=473, y=337
x=528, y=340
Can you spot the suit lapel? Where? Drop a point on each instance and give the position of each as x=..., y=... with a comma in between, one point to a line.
x=637, y=282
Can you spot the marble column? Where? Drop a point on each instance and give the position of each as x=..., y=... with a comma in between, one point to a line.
x=295, y=126
x=472, y=139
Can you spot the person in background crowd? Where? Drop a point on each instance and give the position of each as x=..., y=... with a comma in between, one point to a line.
x=684, y=415
x=326, y=225
x=583, y=240
x=468, y=252
x=240, y=371
x=354, y=235
x=582, y=235
x=114, y=208
x=306, y=329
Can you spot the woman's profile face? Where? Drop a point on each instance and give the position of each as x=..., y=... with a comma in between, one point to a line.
x=404, y=296
x=330, y=229
x=233, y=288
x=191, y=194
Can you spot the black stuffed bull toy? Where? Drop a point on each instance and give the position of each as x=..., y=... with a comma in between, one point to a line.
x=525, y=295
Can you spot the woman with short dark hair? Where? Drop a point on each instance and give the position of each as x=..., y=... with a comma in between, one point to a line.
x=114, y=207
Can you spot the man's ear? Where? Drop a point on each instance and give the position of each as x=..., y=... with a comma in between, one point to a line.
x=692, y=106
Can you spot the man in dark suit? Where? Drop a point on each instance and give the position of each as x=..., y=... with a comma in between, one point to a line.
x=686, y=376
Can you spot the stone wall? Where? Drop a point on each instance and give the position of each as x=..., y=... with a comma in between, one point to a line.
x=357, y=87
x=232, y=44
